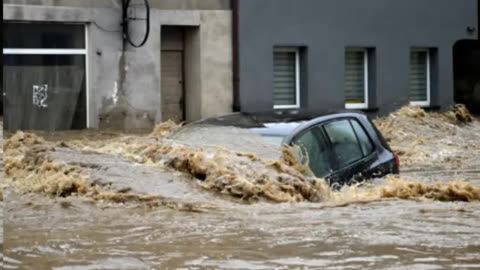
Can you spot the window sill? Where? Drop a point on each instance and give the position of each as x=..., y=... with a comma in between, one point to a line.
x=355, y=106
x=286, y=107
x=420, y=104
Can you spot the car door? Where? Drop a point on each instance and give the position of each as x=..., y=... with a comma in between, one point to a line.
x=352, y=150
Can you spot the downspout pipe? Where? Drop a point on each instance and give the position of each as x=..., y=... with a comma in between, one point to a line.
x=236, y=56
x=122, y=63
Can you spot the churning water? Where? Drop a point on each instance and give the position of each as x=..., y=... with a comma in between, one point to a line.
x=220, y=198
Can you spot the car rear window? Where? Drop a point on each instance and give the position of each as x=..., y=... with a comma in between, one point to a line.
x=344, y=142
x=365, y=142
x=380, y=136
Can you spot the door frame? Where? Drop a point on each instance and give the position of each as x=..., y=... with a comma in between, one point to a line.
x=183, y=68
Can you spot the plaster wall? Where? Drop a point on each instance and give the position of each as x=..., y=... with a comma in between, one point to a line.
x=323, y=29
x=124, y=83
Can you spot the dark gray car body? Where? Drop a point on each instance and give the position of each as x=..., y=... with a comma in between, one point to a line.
x=380, y=162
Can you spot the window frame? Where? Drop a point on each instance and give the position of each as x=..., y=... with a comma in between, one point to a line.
x=335, y=169
x=335, y=157
x=427, y=102
x=295, y=50
x=366, y=134
x=364, y=105
x=53, y=51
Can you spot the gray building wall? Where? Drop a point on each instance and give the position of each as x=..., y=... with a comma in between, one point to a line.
x=325, y=28
x=124, y=86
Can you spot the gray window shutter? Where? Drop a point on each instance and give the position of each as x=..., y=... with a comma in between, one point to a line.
x=355, y=76
x=418, y=75
x=285, y=81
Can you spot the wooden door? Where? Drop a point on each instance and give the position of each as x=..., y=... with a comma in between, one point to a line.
x=173, y=105
x=172, y=86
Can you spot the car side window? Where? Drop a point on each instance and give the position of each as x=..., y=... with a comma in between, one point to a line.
x=314, y=145
x=365, y=141
x=344, y=142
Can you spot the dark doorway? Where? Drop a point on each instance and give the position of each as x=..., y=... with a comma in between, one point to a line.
x=466, y=65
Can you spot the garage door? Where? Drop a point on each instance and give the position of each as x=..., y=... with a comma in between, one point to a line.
x=44, y=76
x=173, y=105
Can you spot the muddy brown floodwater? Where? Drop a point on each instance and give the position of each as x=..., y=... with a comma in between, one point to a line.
x=207, y=197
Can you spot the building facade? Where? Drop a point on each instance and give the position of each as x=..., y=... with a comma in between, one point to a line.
x=372, y=55
x=67, y=65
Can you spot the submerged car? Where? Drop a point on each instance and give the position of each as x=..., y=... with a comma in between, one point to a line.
x=343, y=148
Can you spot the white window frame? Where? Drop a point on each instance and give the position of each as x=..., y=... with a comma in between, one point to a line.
x=425, y=103
x=295, y=50
x=33, y=51
x=45, y=51
x=364, y=105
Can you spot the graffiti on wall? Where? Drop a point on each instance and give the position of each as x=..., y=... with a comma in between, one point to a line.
x=40, y=96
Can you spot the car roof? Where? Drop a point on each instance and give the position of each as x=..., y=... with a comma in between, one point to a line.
x=277, y=129
x=273, y=123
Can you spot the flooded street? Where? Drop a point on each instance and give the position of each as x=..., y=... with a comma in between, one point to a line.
x=196, y=201
x=392, y=234
x=240, y=135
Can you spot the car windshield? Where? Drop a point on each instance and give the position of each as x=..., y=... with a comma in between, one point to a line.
x=273, y=139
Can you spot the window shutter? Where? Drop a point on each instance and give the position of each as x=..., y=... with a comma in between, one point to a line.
x=355, y=76
x=418, y=75
x=285, y=81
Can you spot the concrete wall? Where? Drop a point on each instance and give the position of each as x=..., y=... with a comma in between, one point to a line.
x=216, y=63
x=208, y=66
x=124, y=85
x=325, y=28
x=193, y=77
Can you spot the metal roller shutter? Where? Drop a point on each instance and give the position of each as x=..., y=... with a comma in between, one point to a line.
x=355, y=76
x=419, y=75
x=285, y=78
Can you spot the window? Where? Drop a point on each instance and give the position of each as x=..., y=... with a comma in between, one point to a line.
x=286, y=78
x=313, y=145
x=45, y=76
x=273, y=139
x=356, y=78
x=44, y=36
x=419, y=77
x=344, y=142
x=365, y=142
